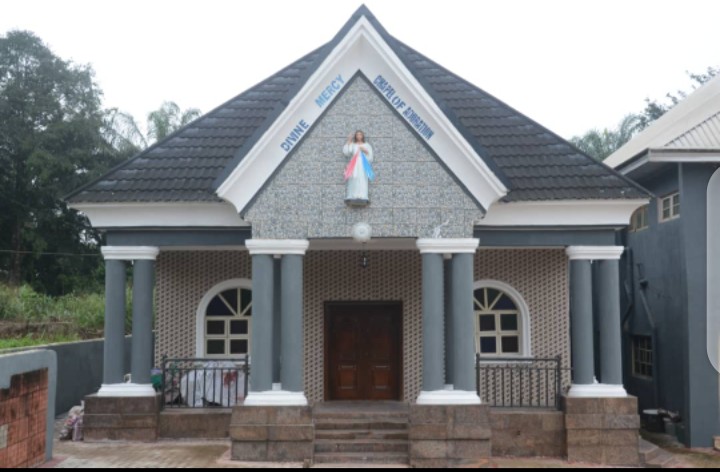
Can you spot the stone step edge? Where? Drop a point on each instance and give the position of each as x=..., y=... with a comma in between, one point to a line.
x=361, y=457
x=345, y=421
x=373, y=433
x=649, y=452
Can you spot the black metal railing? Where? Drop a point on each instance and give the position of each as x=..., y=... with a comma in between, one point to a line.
x=204, y=383
x=520, y=383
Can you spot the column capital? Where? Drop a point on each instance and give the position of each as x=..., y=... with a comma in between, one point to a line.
x=277, y=246
x=594, y=253
x=129, y=253
x=447, y=246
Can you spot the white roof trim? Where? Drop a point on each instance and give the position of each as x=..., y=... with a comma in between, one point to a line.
x=562, y=213
x=693, y=110
x=594, y=253
x=182, y=215
x=683, y=155
x=670, y=156
x=362, y=49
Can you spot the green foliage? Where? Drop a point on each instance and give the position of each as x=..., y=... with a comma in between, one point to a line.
x=600, y=144
x=123, y=132
x=83, y=313
x=654, y=109
x=51, y=142
x=36, y=340
x=167, y=119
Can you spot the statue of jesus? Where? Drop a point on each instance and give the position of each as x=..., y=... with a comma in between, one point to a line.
x=359, y=169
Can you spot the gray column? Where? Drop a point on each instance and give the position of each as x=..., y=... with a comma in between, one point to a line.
x=261, y=342
x=142, y=324
x=114, y=349
x=463, y=325
x=449, y=379
x=608, y=303
x=581, y=319
x=291, y=334
x=433, y=322
x=276, y=320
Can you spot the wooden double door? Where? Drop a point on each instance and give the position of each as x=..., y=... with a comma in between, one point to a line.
x=363, y=351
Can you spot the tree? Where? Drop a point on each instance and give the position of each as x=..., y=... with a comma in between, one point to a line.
x=600, y=144
x=167, y=119
x=654, y=109
x=124, y=134
x=51, y=141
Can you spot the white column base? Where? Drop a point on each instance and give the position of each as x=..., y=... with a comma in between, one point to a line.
x=449, y=387
x=448, y=397
x=597, y=391
x=126, y=390
x=276, y=398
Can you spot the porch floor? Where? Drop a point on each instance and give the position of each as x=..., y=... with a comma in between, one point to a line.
x=361, y=407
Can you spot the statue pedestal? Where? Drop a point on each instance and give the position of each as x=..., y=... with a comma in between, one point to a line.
x=357, y=202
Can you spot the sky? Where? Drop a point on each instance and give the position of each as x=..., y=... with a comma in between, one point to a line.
x=570, y=65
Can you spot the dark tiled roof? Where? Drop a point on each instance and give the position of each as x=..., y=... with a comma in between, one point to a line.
x=184, y=166
x=538, y=164
x=535, y=163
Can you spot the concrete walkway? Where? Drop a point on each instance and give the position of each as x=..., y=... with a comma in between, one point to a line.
x=216, y=454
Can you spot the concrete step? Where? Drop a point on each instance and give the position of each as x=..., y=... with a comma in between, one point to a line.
x=346, y=434
x=359, y=415
x=362, y=458
x=370, y=424
x=664, y=461
x=369, y=446
x=654, y=457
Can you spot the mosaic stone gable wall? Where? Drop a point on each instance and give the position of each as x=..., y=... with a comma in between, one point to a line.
x=412, y=194
x=541, y=277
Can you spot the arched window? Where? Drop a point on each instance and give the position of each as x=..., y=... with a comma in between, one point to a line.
x=502, y=325
x=225, y=320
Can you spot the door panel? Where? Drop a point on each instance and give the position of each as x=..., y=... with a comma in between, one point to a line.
x=364, y=351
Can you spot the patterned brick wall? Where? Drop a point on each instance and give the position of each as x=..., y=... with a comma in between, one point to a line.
x=337, y=276
x=23, y=420
x=183, y=278
x=541, y=277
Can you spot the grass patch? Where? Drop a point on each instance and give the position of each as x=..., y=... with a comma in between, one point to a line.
x=82, y=315
x=32, y=340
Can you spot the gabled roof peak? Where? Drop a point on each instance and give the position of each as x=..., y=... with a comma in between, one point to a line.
x=532, y=163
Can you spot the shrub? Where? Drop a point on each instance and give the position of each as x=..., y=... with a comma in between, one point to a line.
x=84, y=313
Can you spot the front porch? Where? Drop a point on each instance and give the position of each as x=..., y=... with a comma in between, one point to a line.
x=276, y=301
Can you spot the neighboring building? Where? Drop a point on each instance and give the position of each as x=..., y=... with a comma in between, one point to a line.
x=672, y=303
x=464, y=246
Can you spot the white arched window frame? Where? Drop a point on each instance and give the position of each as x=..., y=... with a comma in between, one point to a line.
x=202, y=318
x=523, y=320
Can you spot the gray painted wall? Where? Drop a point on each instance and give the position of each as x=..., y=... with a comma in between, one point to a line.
x=670, y=258
x=650, y=253
x=702, y=378
x=412, y=194
x=79, y=368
